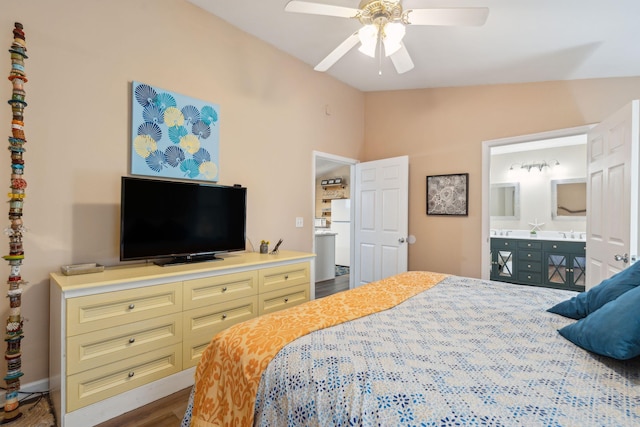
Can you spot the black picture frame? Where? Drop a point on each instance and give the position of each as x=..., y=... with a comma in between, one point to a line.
x=448, y=195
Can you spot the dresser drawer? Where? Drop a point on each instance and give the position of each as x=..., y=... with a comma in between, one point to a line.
x=524, y=255
x=193, y=348
x=283, y=298
x=217, y=289
x=97, y=384
x=213, y=319
x=94, y=312
x=271, y=279
x=201, y=324
x=98, y=348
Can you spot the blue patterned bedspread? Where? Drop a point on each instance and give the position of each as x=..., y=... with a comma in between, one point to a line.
x=464, y=353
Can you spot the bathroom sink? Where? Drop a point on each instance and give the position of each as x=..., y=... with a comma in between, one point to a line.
x=540, y=235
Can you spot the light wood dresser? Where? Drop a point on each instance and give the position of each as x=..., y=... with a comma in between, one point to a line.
x=130, y=335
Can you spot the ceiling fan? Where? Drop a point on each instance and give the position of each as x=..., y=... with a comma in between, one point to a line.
x=384, y=24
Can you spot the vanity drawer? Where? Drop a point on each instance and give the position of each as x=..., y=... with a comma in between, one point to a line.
x=94, y=312
x=529, y=244
x=271, y=279
x=109, y=380
x=529, y=277
x=213, y=290
x=530, y=267
x=98, y=348
x=283, y=298
x=524, y=255
x=503, y=243
x=567, y=247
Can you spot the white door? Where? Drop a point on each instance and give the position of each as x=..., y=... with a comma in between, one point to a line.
x=381, y=220
x=612, y=194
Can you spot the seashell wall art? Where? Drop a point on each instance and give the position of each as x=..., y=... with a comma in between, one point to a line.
x=173, y=136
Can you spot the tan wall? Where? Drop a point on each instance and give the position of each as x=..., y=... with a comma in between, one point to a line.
x=83, y=55
x=442, y=132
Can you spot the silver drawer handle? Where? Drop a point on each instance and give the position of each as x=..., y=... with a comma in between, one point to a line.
x=529, y=255
x=286, y=300
x=528, y=277
x=528, y=265
x=224, y=316
x=132, y=306
x=224, y=289
x=529, y=244
x=131, y=374
x=132, y=340
x=555, y=246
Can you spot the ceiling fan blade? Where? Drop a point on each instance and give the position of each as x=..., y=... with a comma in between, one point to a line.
x=338, y=52
x=320, y=9
x=401, y=60
x=470, y=16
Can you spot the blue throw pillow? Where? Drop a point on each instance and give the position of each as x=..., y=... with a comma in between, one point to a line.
x=613, y=330
x=609, y=289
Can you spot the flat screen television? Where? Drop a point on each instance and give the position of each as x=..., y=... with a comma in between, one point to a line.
x=173, y=222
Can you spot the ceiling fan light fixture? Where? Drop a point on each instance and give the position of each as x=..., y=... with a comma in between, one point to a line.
x=368, y=36
x=393, y=34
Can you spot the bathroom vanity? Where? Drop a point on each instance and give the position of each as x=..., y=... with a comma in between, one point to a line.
x=539, y=262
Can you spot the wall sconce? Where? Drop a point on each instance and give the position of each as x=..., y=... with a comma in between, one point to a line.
x=535, y=165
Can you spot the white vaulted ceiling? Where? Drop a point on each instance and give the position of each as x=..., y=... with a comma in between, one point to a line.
x=521, y=41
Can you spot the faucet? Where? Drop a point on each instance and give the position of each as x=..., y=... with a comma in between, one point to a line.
x=493, y=231
x=506, y=233
x=583, y=236
x=573, y=236
x=564, y=235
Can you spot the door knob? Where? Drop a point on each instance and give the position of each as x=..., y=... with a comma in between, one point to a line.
x=624, y=258
x=401, y=240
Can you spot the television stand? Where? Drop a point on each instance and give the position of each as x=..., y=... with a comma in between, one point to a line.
x=187, y=259
x=133, y=334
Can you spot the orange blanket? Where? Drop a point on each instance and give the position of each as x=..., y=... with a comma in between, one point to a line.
x=229, y=371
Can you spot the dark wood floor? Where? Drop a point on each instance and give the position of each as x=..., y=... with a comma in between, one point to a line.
x=168, y=412
x=328, y=287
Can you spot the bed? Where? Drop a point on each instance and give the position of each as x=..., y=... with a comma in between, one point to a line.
x=417, y=349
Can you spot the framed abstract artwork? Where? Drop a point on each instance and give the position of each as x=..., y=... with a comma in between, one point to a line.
x=173, y=135
x=448, y=194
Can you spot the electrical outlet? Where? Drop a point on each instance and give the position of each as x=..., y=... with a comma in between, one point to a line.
x=299, y=222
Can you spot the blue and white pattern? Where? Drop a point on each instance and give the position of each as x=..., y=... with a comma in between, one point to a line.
x=464, y=353
x=163, y=121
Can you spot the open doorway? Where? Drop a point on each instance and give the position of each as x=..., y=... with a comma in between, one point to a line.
x=532, y=165
x=332, y=242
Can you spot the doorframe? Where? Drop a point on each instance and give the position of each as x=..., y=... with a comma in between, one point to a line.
x=346, y=161
x=485, y=257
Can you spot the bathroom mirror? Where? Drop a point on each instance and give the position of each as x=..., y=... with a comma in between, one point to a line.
x=569, y=198
x=505, y=200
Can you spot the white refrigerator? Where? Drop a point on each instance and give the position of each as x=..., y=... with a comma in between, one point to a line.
x=341, y=225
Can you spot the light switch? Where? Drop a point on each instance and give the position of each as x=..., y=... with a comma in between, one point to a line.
x=299, y=221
